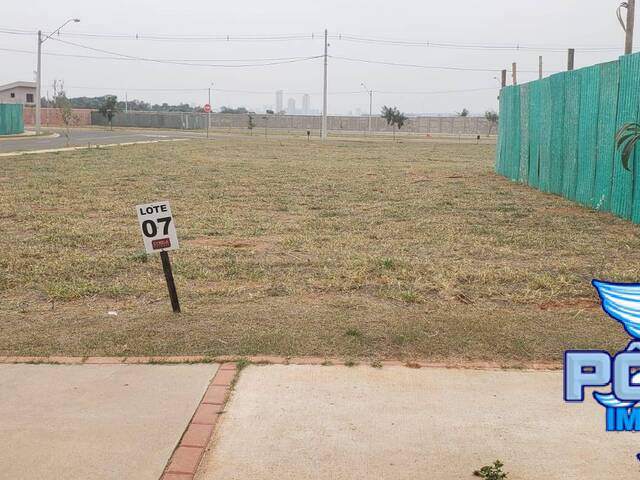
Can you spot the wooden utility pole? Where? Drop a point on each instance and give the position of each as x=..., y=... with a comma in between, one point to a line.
x=571, y=58
x=504, y=78
x=631, y=15
x=513, y=73
x=540, y=67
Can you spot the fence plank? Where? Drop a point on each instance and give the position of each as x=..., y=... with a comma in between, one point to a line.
x=570, y=134
x=587, y=135
x=621, y=189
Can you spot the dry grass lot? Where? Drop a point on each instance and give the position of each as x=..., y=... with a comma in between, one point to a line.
x=353, y=249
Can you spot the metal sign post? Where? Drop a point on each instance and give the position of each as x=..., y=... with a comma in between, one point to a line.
x=159, y=235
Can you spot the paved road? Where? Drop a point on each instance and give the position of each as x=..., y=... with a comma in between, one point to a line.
x=396, y=423
x=93, y=136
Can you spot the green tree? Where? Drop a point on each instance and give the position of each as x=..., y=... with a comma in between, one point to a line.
x=464, y=113
x=109, y=108
x=492, y=118
x=394, y=117
x=62, y=104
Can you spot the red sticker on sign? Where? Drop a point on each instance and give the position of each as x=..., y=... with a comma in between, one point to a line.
x=161, y=243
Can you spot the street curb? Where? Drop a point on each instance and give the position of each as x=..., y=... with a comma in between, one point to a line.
x=187, y=455
x=98, y=146
x=275, y=360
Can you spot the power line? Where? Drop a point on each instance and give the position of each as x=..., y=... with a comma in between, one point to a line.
x=288, y=92
x=183, y=62
x=183, y=38
x=430, y=67
x=433, y=67
x=462, y=46
x=346, y=37
x=59, y=54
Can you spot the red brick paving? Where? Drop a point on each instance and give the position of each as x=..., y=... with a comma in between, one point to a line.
x=187, y=456
x=197, y=435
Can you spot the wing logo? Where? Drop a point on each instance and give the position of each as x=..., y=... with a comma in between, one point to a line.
x=620, y=372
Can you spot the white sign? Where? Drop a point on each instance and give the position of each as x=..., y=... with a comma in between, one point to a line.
x=158, y=227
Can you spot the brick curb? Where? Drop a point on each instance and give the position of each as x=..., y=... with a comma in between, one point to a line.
x=186, y=457
x=276, y=360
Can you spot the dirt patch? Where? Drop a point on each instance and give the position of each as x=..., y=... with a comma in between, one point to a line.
x=578, y=303
x=252, y=245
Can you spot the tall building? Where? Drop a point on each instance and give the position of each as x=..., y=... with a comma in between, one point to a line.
x=291, y=106
x=279, y=101
x=306, y=104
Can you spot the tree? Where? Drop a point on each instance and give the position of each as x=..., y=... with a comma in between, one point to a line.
x=492, y=118
x=251, y=124
x=62, y=104
x=394, y=117
x=464, y=113
x=233, y=110
x=109, y=108
x=627, y=137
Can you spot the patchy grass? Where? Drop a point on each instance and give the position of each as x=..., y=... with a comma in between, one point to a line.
x=357, y=249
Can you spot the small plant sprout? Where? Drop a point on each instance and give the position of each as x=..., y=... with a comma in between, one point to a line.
x=492, y=472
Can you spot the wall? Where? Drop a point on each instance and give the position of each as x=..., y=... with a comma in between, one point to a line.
x=558, y=135
x=51, y=117
x=11, y=119
x=444, y=125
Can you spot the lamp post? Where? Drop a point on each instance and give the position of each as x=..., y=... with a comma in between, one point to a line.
x=209, y=112
x=39, y=69
x=370, y=104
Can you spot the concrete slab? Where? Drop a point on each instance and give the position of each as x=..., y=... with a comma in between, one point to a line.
x=312, y=422
x=95, y=422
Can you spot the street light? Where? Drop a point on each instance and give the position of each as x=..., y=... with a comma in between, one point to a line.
x=39, y=67
x=209, y=112
x=370, y=104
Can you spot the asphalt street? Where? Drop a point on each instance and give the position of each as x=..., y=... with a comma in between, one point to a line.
x=82, y=137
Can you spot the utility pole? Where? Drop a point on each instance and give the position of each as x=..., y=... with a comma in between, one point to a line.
x=370, y=109
x=514, y=73
x=324, y=92
x=571, y=58
x=540, y=67
x=38, y=83
x=126, y=102
x=39, y=70
x=209, y=112
x=370, y=92
x=504, y=78
x=631, y=15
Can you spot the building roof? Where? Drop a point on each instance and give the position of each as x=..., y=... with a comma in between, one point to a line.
x=11, y=85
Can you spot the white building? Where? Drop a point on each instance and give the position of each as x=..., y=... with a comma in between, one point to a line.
x=279, y=101
x=291, y=106
x=306, y=104
x=18, y=92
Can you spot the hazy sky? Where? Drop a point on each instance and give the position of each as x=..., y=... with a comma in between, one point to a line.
x=546, y=24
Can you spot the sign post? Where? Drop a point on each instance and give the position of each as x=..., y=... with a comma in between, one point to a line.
x=207, y=110
x=159, y=235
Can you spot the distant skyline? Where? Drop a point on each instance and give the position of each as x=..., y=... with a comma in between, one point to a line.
x=262, y=54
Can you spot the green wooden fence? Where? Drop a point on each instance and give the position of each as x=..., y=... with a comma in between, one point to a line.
x=11, y=119
x=558, y=135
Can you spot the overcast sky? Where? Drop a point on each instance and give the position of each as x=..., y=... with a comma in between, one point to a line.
x=540, y=23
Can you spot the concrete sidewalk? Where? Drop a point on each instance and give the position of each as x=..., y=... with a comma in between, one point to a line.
x=95, y=422
x=314, y=422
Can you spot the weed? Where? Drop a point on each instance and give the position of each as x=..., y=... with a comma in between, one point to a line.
x=353, y=332
x=491, y=472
